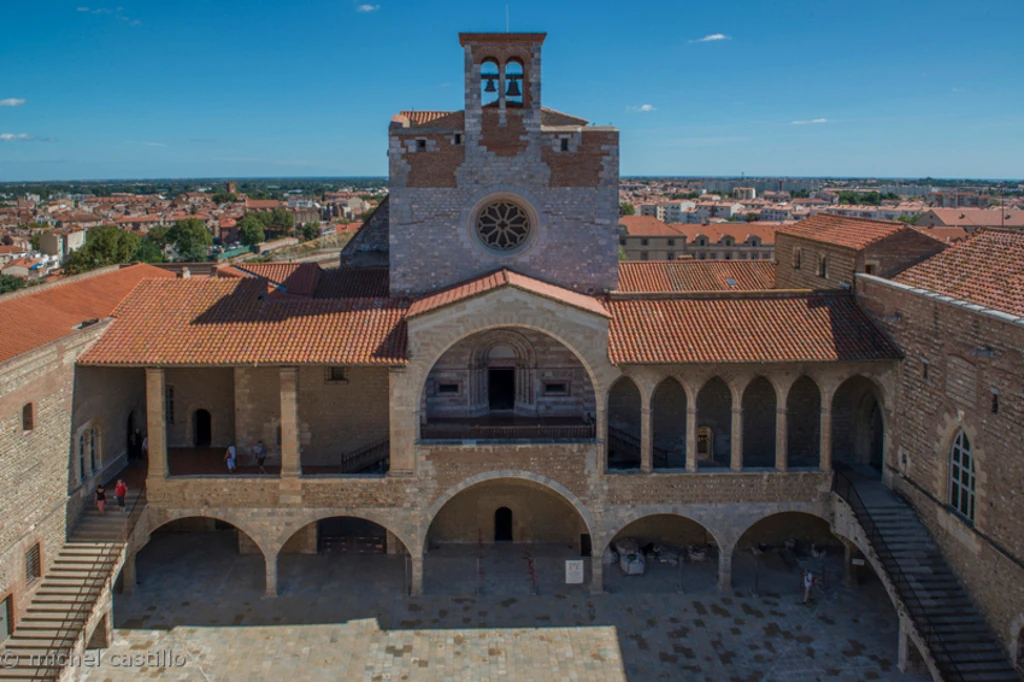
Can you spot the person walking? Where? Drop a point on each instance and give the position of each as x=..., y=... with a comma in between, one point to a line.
x=809, y=581
x=229, y=457
x=101, y=498
x=261, y=456
x=120, y=493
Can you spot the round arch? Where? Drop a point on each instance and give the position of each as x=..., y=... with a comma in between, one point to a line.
x=640, y=517
x=860, y=433
x=624, y=402
x=171, y=516
x=669, y=404
x=508, y=474
x=292, y=529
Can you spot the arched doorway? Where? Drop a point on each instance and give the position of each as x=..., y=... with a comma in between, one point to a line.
x=343, y=553
x=503, y=525
x=858, y=427
x=210, y=560
x=624, y=425
x=661, y=553
x=668, y=419
x=803, y=422
x=201, y=429
x=714, y=422
x=503, y=536
x=759, y=413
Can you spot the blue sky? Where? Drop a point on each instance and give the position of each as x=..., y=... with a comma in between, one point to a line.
x=196, y=88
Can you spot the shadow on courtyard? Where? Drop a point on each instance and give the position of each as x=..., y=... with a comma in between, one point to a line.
x=662, y=633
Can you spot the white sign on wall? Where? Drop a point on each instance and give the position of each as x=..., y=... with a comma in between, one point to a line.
x=574, y=572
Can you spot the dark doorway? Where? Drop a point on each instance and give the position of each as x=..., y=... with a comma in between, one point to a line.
x=130, y=437
x=501, y=389
x=877, y=438
x=503, y=525
x=585, y=546
x=201, y=428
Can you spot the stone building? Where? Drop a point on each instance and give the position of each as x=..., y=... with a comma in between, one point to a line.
x=482, y=370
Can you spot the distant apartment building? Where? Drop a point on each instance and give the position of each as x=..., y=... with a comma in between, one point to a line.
x=742, y=193
x=60, y=243
x=646, y=238
x=971, y=218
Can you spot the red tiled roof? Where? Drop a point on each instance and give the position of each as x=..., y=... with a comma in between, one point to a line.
x=263, y=203
x=502, y=278
x=749, y=329
x=979, y=217
x=418, y=118
x=225, y=321
x=33, y=318
x=648, y=226
x=695, y=275
x=853, y=233
x=987, y=269
x=298, y=278
x=353, y=283
x=946, y=235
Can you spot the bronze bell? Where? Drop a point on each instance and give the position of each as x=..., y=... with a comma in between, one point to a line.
x=490, y=86
x=513, y=88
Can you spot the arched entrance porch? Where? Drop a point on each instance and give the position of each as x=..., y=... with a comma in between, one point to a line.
x=661, y=553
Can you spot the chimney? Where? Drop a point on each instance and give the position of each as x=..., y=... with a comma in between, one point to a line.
x=185, y=273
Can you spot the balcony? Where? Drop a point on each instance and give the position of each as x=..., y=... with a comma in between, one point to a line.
x=507, y=429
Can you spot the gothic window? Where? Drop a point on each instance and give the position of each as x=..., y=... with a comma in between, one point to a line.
x=961, y=476
x=28, y=421
x=503, y=225
x=88, y=453
x=823, y=267
x=796, y=259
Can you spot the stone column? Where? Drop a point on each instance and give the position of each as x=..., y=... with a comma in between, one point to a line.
x=646, y=439
x=128, y=578
x=156, y=421
x=416, y=575
x=596, y=575
x=826, y=438
x=781, y=439
x=691, y=437
x=403, y=422
x=271, y=565
x=291, y=463
x=724, y=569
x=736, y=458
x=392, y=544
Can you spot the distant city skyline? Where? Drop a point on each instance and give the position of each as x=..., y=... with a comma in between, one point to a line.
x=246, y=90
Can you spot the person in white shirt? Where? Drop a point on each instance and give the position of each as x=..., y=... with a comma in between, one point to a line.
x=229, y=457
x=809, y=581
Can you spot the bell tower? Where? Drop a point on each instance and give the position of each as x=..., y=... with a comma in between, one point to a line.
x=503, y=183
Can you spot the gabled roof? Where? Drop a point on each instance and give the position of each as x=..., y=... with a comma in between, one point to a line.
x=297, y=278
x=229, y=322
x=747, y=329
x=987, y=268
x=502, y=278
x=34, y=317
x=695, y=275
x=853, y=233
x=978, y=217
x=456, y=119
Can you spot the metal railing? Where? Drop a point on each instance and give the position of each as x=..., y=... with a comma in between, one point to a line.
x=845, y=489
x=512, y=432
x=369, y=455
x=620, y=440
x=72, y=627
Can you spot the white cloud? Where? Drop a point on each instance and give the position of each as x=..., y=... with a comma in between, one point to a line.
x=643, y=108
x=711, y=37
x=15, y=137
x=813, y=120
x=367, y=7
x=11, y=102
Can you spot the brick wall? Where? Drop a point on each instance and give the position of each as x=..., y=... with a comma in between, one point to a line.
x=842, y=263
x=898, y=252
x=956, y=359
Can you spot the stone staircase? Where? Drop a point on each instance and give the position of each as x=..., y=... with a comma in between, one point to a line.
x=957, y=636
x=54, y=623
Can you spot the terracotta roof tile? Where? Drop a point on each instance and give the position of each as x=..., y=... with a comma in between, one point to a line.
x=34, y=317
x=987, y=268
x=699, y=275
x=225, y=321
x=297, y=278
x=854, y=233
x=502, y=278
x=749, y=329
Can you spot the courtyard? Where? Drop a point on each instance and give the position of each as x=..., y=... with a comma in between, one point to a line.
x=346, y=616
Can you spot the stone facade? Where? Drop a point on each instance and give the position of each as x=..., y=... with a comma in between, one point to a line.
x=962, y=371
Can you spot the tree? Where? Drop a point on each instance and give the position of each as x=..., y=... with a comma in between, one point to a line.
x=752, y=217
x=191, y=239
x=158, y=235
x=626, y=208
x=104, y=245
x=36, y=236
x=910, y=219
x=250, y=229
x=9, y=283
x=149, y=252
x=280, y=221
x=311, y=231
x=367, y=214
x=224, y=198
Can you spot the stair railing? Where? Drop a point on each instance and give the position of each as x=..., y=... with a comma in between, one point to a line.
x=70, y=630
x=845, y=489
x=631, y=443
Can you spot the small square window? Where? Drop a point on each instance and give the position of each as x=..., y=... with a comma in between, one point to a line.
x=458, y=138
x=995, y=403
x=447, y=389
x=671, y=242
x=869, y=269
x=622, y=242
x=643, y=242
x=556, y=389
x=421, y=145
x=643, y=256
x=337, y=375
x=28, y=421
x=671, y=256
x=33, y=564
x=565, y=144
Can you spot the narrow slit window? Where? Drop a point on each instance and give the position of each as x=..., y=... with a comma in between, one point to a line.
x=33, y=564
x=565, y=144
x=28, y=420
x=447, y=389
x=556, y=388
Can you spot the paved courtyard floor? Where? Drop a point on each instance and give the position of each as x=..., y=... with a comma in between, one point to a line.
x=346, y=618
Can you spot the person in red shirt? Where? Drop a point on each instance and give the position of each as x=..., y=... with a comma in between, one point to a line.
x=121, y=492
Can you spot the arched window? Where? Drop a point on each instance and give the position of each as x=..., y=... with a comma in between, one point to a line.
x=489, y=78
x=28, y=421
x=88, y=453
x=796, y=259
x=514, y=85
x=823, y=267
x=961, y=476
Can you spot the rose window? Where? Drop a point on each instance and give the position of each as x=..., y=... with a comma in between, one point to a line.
x=503, y=225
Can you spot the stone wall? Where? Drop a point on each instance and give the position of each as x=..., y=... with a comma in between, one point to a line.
x=957, y=359
x=841, y=261
x=339, y=417
x=211, y=389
